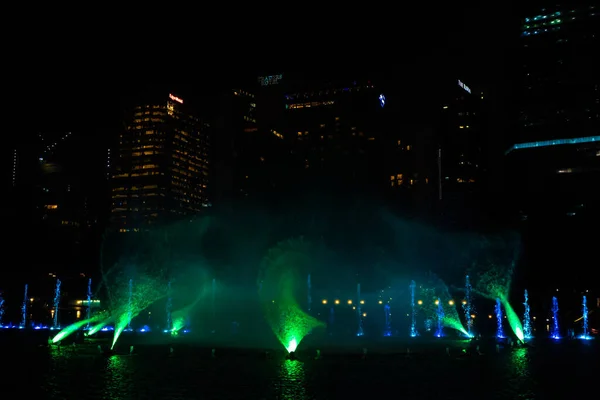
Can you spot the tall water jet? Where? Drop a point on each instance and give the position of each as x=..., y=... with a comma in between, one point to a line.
x=89, y=303
x=498, y=311
x=23, y=323
x=388, y=320
x=413, y=323
x=169, y=309
x=440, y=318
x=584, y=319
x=360, y=331
x=309, y=293
x=130, y=305
x=526, y=317
x=555, y=332
x=1, y=310
x=56, y=303
x=467, y=307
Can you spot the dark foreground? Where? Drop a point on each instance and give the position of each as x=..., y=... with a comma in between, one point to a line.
x=547, y=371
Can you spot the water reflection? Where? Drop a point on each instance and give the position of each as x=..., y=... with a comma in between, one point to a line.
x=520, y=363
x=117, y=379
x=292, y=380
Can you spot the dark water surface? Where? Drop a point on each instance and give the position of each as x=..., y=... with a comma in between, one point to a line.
x=549, y=371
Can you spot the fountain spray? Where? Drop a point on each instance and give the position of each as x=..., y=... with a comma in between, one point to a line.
x=89, y=303
x=467, y=307
x=555, y=333
x=360, y=331
x=309, y=288
x=584, y=312
x=130, y=305
x=526, y=317
x=440, y=319
x=56, y=303
x=169, y=308
x=24, y=308
x=498, y=310
x=413, y=324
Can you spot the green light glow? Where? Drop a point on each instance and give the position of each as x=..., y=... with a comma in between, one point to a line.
x=97, y=328
x=429, y=296
x=74, y=328
x=495, y=284
x=145, y=292
x=280, y=271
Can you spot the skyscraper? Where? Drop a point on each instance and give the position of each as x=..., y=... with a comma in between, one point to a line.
x=553, y=159
x=161, y=168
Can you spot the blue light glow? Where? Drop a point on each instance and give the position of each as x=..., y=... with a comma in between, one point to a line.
x=555, y=333
x=382, y=100
x=499, y=329
x=555, y=142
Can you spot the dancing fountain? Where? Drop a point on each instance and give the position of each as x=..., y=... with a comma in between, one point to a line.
x=413, y=322
x=584, y=320
x=526, y=318
x=555, y=332
x=23, y=323
x=56, y=304
x=360, y=331
x=498, y=311
x=440, y=318
x=467, y=306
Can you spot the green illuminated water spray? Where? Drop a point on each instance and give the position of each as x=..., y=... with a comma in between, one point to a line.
x=74, y=328
x=281, y=270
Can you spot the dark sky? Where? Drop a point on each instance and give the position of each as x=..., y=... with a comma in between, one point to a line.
x=413, y=44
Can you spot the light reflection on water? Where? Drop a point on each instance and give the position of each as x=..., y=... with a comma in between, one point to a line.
x=82, y=373
x=293, y=380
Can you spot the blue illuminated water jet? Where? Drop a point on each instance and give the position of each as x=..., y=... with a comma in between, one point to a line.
x=555, y=332
x=526, y=317
x=584, y=320
x=467, y=306
x=440, y=319
x=89, y=303
x=498, y=310
x=331, y=316
x=24, y=308
x=56, y=303
x=130, y=305
x=1, y=310
x=413, y=322
x=360, y=331
x=388, y=320
x=169, y=308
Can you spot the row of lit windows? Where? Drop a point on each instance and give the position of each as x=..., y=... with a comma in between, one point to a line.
x=309, y=105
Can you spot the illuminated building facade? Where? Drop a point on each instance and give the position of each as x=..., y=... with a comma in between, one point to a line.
x=161, y=170
x=553, y=158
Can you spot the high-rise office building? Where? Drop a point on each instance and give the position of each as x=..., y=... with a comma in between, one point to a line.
x=161, y=166
x=553, y=158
